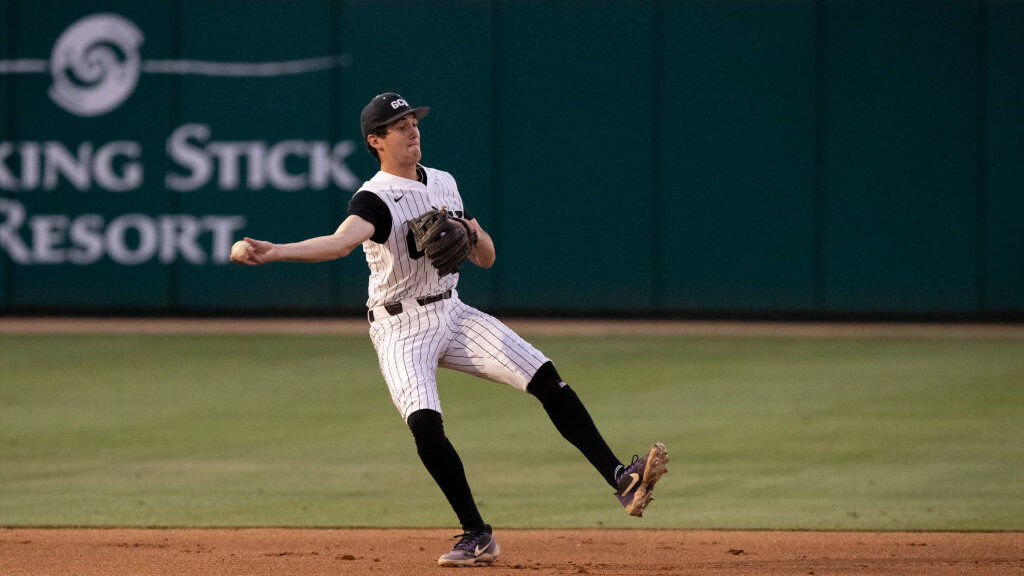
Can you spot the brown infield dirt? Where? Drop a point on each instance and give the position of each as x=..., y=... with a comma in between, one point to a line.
x=408, y=552
x=414, y=552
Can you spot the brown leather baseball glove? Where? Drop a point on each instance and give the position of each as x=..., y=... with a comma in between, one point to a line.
x=446, y=242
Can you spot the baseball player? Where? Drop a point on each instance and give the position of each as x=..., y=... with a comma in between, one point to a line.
x=418, y=323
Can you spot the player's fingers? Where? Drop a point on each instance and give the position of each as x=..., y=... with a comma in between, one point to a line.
x=248, y=258
x=257, y=246
x=261, y=254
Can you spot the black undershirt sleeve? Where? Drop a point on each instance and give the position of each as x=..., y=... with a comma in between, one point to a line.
x=371, y=208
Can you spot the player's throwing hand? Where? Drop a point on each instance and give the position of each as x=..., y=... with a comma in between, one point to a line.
x=251, y=252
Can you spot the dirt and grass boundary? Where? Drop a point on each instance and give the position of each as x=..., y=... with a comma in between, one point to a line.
x=272, y=551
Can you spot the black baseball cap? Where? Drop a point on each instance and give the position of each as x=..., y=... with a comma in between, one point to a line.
x=385, y=109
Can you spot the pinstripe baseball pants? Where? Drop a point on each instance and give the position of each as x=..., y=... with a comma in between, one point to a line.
x=412, y=344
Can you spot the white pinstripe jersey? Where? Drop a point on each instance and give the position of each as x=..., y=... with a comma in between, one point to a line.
x=397, y=271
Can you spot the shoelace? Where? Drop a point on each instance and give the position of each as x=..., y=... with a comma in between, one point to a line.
x=624, y=471
x=636, y=460
x=467, y=540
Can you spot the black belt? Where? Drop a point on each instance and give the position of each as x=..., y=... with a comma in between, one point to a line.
x=396, y=308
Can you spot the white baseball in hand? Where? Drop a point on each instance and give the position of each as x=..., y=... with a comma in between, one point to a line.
x=239, y=250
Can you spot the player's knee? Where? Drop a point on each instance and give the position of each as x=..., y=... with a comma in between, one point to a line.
x=427, y=428
x=546, y=384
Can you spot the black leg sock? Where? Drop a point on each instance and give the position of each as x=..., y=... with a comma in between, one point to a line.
x=573, y=421
x=445, y=466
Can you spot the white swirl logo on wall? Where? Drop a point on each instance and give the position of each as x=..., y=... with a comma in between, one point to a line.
x=96, y=64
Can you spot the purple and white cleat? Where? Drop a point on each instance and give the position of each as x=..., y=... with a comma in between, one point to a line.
x=637, y=480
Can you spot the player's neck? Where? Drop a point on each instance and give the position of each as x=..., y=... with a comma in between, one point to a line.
x=408, y=172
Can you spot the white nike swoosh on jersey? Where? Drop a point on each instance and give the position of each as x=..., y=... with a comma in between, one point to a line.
x=636, y=478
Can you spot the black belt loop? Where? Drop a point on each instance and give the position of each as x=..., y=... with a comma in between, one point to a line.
x=396, y=308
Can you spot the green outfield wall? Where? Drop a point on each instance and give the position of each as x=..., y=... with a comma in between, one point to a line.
x=683, y=157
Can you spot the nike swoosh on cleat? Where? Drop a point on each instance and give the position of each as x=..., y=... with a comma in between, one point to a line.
x=478, y=550
x=636, y=478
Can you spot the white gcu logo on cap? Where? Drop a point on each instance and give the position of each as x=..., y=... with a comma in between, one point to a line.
x=399, y=103
x=95, y=64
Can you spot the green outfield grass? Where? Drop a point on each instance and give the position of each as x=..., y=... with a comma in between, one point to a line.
x=890, y=433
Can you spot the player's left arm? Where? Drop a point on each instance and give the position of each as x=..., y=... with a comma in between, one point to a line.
x=483, y=254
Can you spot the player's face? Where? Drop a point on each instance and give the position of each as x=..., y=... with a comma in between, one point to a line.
x=401, y=145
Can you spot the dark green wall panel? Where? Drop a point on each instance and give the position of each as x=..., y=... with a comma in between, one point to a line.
x=900, y=163
x=575, y=173
x=1003, y=246
x=737, y=161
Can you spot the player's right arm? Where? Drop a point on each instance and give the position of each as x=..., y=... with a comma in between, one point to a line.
x=354, y=230
x=483, y=253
